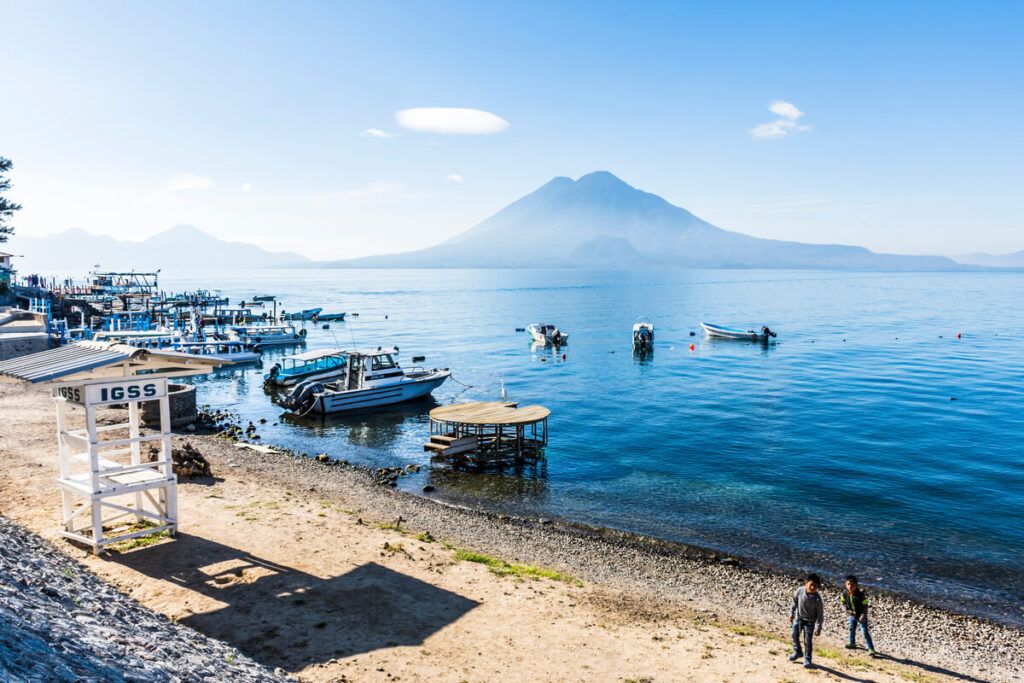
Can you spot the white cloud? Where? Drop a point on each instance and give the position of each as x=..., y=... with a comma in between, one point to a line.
x=451, y=121
x=246, y=187
x=455, y=177
x=784, y=126
x=187, y=181
x=378, y=133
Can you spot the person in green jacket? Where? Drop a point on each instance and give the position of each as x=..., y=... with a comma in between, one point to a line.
x=855, y=601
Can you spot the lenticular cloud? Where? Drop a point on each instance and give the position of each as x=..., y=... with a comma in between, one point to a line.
x=451, y=121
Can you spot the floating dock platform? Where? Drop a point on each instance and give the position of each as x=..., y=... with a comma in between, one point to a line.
x=486, y=433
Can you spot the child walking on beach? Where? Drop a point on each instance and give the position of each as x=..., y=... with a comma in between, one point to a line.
x=855, y=601
x=807, y=615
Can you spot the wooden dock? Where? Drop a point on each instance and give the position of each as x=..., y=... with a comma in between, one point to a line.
x=487, y=433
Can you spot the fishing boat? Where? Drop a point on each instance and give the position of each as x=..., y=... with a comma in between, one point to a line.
x=544, y=333
x=268, y=335
x=330, y=316
x=643, y=336
x=230, y=352
x=227, y=351
x=372, y=378
x=321, y=364
x=719, y=332
x=306, y=314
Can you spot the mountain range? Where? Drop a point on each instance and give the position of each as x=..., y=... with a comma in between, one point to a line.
x=597, y=221
x=182, y=247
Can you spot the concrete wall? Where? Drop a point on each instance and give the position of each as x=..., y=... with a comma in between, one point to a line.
x=14, y=345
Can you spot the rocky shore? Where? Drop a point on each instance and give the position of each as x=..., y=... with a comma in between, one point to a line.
x=59, y=622
x=652, y=570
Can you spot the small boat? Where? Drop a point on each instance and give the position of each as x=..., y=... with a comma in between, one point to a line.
x=264, y=297
x=643, y=336
x=372, y=378
x=720, y=332
x=330, y=316
x=544, y=333
x=307, y=314
x=268, y=335
x=321, y=364
x=231, y=352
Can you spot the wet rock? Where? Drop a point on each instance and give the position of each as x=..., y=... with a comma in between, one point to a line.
x=428, y=488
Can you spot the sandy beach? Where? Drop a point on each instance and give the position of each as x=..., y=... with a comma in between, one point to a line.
x=321, y=572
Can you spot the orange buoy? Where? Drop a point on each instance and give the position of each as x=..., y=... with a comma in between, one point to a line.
x=957, y=335
x=692, y=347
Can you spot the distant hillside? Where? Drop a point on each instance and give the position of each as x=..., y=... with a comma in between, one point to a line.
x=182, y=247
x=599, y=221
x=1014, y=260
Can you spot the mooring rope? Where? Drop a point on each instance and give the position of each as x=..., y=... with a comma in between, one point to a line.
x=468, y=386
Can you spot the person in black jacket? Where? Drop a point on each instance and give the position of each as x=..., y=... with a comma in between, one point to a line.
x=855, y=601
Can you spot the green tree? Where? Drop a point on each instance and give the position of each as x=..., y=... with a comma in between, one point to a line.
x=7, y=207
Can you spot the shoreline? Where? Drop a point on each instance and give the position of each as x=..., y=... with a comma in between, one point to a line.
x=637, y=583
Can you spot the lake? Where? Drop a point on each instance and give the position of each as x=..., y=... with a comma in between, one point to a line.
x=868, y=439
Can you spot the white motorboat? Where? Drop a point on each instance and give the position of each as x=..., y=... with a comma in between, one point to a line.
x=643, y=336
x=321, y=364
x=719, y=332
x=372, y=378
x=544, y=333
x=269, y=335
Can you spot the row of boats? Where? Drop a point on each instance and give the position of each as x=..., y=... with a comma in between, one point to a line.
x=643, y=334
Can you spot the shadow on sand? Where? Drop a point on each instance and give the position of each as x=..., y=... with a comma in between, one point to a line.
x=282, y=617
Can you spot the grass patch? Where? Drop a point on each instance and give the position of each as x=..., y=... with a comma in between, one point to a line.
x=389, y=526
x=914, y=676
x=743, y=630
x=425, y=537
x=826, y=652
x=140, y=541
x=503, y=568
x=394, y=548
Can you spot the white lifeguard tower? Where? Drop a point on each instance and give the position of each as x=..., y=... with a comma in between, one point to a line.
x=105, y=478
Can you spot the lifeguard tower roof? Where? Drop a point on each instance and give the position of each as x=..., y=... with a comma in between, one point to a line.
x=92, y=360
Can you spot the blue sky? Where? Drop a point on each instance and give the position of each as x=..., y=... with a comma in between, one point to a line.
x=248, y=120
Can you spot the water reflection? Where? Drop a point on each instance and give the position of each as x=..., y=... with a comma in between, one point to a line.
x=512, y=484
x=380, y=427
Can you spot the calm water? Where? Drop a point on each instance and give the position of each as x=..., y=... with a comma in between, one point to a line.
x=838, y=448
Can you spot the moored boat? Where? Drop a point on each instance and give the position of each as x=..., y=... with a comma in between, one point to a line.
x=330, y=316
x=306, y=314
x=643, y=336
x=544, y=333
x=269, y=335
x=372, y=378
x=719, y=332
x=321, y=364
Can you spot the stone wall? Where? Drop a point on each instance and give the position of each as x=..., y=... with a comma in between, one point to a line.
x=182, y=400
x=14, y=345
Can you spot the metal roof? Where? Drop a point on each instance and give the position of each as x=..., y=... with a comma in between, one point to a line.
x=83, y=357
x=65, y=360
x=317, y=354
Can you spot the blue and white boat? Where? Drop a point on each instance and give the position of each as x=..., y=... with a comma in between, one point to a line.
x=372, y=378
x=321, y=364
x=306, y=314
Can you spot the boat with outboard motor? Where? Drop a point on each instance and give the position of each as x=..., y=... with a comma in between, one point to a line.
x=544, y=333
x=228, y=351
x=643, y=336
x=330, y=316
x=320, y=364
x=719, y=332
x=372, y=378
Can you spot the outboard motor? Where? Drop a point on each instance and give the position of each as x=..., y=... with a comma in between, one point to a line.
x=767, y=332
x=275, y=370
x=302, y=396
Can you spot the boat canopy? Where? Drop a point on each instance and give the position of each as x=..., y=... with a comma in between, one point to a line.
x=315, y=354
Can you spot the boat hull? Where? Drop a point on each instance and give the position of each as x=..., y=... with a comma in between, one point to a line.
x=728, y=333
x=329, y=403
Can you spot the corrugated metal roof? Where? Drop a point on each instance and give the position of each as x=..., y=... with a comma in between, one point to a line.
x=66, y=360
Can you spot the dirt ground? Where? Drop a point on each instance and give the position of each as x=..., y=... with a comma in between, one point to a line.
x=312, y=584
